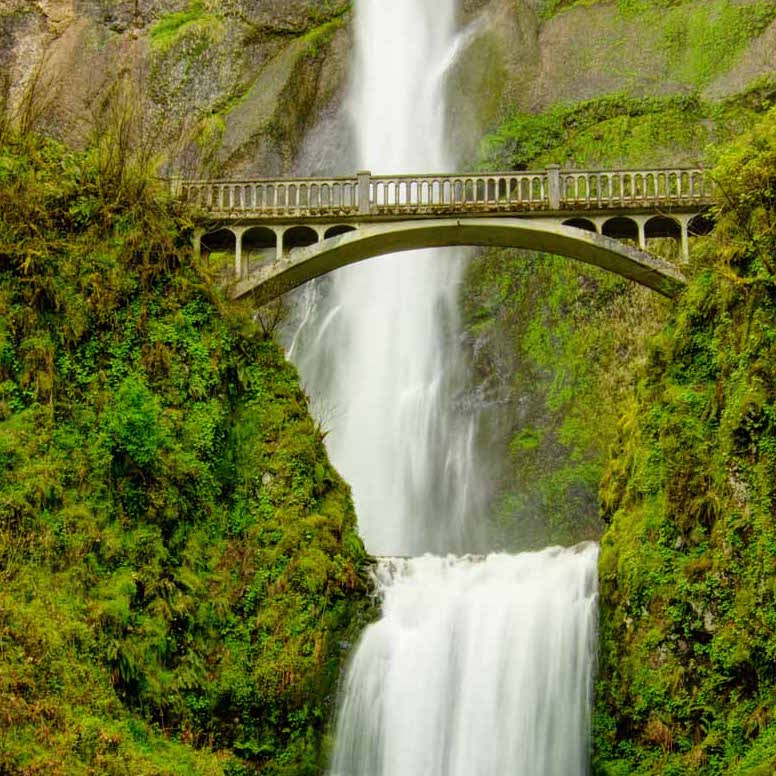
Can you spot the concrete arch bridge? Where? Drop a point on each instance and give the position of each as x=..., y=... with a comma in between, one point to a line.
x=285, y=232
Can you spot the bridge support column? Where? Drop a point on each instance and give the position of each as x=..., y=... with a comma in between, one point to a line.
x=279, y=243
x=642, y=225
x=196, y=242
x=239, y=267
x=685, y=223
x=279, y=252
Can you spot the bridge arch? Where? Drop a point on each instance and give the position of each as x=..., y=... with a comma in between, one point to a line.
x=663, y=226
x=223, y=239
x=220, y=241
x=259, y=238
x=621, y=228
x=311, y=261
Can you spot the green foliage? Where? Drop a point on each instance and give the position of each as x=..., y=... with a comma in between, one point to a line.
x=179, y=561
x=706, y=39
x=318, y=37
x=696, y=41
x=621, y=130
x=688, y=622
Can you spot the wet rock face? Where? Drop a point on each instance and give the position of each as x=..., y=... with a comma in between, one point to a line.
x=289, y=15
x=126, y=14
x=243, y=81
x=248, y=72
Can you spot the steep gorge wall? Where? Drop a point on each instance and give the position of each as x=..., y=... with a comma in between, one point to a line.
x=553, y=343
x=239, y=81
x=243, y=81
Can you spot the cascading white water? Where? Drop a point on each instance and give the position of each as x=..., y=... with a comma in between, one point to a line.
x=477, y=668
x=390, y=366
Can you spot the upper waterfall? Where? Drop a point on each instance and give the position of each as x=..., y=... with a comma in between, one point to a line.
x=391, y=375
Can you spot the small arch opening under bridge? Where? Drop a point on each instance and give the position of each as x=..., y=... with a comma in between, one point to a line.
x=336, y=231
x=299, y=237
x=621, y=228
x=581, y=223
x=218, y=248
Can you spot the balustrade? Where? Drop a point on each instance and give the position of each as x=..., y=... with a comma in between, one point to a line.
x=644, y=188
x=407, y=195
x=281, y=197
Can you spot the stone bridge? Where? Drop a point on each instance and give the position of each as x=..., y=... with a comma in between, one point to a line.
x=286, y=232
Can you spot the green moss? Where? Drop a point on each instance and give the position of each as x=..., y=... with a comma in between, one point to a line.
x=701, y=39
x=319, y=37
x=197, y=18
x=707, y=39
x=622, y=130
x=687, y=680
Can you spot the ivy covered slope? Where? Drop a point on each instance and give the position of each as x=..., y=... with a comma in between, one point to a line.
x=180, y=572
x=687, y=678
x=555, y=341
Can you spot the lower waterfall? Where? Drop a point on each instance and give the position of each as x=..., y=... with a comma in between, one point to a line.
x=478, y=667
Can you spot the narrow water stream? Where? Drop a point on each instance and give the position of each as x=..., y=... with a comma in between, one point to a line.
x=480, y=666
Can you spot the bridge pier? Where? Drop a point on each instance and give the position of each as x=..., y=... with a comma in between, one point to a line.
x=196, y=242
x=279, y=243
x=641, y=223
x=239, y=266
x=684, y=223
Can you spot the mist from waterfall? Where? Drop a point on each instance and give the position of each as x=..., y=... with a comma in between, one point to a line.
x=480, y=666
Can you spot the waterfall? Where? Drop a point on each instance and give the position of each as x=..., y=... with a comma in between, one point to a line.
x=390, y=370
x=480, y=666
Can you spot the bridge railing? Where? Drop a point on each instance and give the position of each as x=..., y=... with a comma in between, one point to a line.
x=273, y=196
x=634, y=187
x=366, y=195
x=408, y=194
